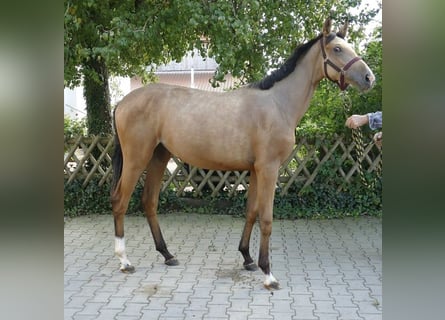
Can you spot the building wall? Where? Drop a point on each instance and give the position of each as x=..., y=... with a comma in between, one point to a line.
x=74, y=105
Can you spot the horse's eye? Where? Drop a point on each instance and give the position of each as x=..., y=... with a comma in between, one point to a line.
x=337, y=49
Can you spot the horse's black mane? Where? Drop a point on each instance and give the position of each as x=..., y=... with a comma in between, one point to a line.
x=287, y=68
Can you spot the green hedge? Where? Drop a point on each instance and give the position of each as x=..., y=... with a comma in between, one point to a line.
x=320, y=200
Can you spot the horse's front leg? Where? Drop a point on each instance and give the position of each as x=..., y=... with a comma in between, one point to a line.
x=251, y=215
x=267, y=177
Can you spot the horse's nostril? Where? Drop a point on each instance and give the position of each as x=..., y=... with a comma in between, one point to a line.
x=369, y=78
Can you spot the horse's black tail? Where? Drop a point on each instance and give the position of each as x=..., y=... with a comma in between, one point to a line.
x=118, y=160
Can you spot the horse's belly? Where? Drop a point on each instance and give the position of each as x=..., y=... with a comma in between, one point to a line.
x=216, y=155
x=218, y=163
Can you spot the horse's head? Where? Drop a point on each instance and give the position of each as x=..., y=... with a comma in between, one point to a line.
x=340, y=62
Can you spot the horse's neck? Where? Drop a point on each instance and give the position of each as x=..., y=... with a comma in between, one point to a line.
x=295, y=92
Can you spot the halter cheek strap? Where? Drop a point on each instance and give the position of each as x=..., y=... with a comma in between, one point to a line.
x=341, y=83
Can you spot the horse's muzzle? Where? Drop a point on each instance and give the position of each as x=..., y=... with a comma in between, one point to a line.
x=370, y=79
x=364, y=80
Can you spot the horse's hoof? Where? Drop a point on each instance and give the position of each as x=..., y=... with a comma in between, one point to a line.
x=172, y=262
x=127, y=269
x=270, y=283
x=251, y=266
x=272, y=286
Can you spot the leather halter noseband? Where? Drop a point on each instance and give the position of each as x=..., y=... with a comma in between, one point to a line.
x=342, y=84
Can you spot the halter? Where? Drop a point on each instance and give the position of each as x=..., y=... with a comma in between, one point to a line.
x=342, y=84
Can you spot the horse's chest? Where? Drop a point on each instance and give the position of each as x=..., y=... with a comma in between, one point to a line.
x=275, y=146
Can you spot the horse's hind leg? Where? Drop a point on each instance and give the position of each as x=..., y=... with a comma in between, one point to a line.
x=134, y=158
x=120, y=199
x=251, y=215
x=150, y=199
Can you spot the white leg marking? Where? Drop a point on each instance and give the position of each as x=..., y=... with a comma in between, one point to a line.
x=119, y=249
x=270, y=279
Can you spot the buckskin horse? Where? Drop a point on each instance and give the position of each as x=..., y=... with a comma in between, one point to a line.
x=250, y=128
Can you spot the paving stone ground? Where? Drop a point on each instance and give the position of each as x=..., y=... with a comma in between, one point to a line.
x=327, y=269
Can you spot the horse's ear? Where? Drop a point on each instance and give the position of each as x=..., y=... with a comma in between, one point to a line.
x=343, y=30
x=327, y=26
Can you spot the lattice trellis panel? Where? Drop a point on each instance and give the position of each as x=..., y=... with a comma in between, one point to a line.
x=197, y=179
x=90, y=157
x=308, y=158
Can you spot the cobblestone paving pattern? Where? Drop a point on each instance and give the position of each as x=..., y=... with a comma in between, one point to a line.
x=327, y=269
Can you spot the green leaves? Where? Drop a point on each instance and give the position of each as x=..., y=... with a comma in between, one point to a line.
x=73, y=128
x=247, y=38
x=320, y=201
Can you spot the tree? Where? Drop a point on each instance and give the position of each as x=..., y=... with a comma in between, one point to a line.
x=246, y=38
x=120, y=38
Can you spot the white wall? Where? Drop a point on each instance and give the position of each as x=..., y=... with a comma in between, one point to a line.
x=74, y=102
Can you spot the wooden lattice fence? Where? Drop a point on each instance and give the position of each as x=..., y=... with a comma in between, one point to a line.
x=89, y=159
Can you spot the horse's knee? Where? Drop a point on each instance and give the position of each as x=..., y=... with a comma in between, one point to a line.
x=266, y=227
x=251, y=218
x=149, y=204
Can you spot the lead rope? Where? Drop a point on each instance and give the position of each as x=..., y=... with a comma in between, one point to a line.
x=357, y=137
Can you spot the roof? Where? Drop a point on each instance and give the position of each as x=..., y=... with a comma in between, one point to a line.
x=193, y=71
x=200, y=80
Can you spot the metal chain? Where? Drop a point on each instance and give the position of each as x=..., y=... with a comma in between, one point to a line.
x=357, y=137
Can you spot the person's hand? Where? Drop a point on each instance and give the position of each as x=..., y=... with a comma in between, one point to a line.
x=356, y=121
x=378, y=139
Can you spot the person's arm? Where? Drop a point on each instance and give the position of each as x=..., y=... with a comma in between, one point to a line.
x=356, y=121
x=375, y=120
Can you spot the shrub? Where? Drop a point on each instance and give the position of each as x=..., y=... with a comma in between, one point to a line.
x=324, y=198
x=73, y=128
